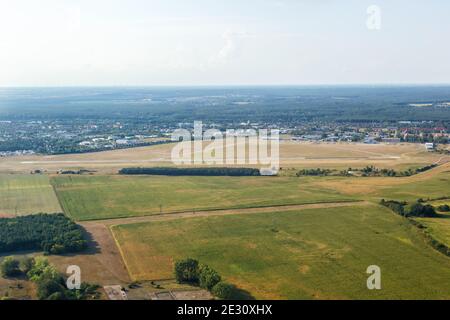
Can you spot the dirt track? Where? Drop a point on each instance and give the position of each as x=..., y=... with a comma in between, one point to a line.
x=191, y=214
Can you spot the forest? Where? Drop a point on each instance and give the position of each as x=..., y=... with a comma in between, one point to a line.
x=51, y=233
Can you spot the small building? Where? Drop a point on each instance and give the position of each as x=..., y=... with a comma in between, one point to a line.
x=429, y=146
x=370, y=140
x=268, y=172
x=391, y=140
x=122, y=141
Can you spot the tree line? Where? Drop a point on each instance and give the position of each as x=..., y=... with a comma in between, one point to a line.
x=416, y=209
x=214, y=171
x=192, y=272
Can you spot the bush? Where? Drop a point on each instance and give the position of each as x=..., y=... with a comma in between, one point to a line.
x=395, y=206
x=53, y=288
x=208, y=277
x=223, y=290
x=9, y=267
x=42, y=269
x=419, y=210
x=444, y=208
x=313, y=172
x=186, y=271
x=26, y=264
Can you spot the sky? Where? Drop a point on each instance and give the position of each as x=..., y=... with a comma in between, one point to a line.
x=223, y=42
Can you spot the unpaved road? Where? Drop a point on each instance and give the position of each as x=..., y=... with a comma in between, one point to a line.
x=224, y=212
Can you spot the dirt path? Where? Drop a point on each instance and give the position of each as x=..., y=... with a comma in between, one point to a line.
x=191, y=214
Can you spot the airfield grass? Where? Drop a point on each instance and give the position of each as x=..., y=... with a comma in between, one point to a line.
x=26, y=194
x=103, y=197
x=303, y=254
x=431, y=184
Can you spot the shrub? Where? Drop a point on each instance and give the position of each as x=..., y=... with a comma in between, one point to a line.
x=223, y=290
x=26, y=264
x=53, y=288
x=186, y=271
x=444, y=208
x=208, y=277
x=419, y=210
x=10, y=267
x=42, y=269
x=395, y=206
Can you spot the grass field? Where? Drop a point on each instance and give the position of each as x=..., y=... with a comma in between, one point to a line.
x=26, y=194
x=310, y=254
x=102, y=197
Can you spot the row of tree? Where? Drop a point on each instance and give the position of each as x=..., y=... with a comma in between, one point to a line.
x=51, y=233
x=313, y=172
x=416, y=209
x=167, y=171
x=190, y=271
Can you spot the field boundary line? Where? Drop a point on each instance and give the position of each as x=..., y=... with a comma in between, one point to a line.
x=225, y=212
x=59, y=200
x=116, y=242
x=196, y=210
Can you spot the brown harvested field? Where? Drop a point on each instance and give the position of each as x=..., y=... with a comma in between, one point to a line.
x=101, y=263
x=293, y=154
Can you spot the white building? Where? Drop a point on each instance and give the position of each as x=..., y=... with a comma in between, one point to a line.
x=429, y=146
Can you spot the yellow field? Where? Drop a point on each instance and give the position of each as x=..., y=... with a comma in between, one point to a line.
x=430, y=184
x=292, y=154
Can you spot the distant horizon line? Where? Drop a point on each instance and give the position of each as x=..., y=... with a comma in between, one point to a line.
x=233, y=85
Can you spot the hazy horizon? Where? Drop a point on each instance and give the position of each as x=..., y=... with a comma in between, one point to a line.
x=73, y=43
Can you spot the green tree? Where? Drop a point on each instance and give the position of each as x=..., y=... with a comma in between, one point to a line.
x=419, y=210
x=50, y=287
x=9, y=267
x=208, y=277
x=26, y=264
x=42, y=269
x=224, y=290
x=186, y=270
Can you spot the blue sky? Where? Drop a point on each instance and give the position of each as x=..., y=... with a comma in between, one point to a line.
x=222, y=42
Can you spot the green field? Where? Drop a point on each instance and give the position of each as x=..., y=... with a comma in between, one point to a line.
x=310, y=254
x=102, y=197
x=26, y=194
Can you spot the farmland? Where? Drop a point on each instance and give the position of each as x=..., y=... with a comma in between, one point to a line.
x=300, y=254
x=102, y=197
x=283, y=237
x=26, y=194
